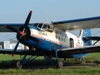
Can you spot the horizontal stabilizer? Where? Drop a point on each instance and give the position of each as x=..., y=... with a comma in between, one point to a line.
x=91, y=38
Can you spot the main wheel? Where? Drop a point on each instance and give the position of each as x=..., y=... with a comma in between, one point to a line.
x=19, y=64
x=59, y=64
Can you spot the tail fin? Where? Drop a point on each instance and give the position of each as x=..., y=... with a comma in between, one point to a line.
x=87, y=33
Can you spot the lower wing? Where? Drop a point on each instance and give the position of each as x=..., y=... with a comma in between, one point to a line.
x=61, y=52
x=81, y=50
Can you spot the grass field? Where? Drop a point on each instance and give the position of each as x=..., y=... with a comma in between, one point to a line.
x=50, y=71
x=7, y=67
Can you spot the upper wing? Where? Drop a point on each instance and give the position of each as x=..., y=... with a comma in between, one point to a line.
x=85, y=23
x=82, y=50
x=4, y=29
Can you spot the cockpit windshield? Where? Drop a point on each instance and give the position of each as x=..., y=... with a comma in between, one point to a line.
x=39, y=25
x=44, y=26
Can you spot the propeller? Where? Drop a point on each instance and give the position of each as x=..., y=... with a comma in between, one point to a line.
x=16, y=46
x=28, y=19
x=22, y=32
x=11, y=28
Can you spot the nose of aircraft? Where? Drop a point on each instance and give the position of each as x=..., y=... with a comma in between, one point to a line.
x=21, y=33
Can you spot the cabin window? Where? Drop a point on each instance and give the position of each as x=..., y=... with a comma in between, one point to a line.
x=56, y=37
x=56, y=32
x=61, y=36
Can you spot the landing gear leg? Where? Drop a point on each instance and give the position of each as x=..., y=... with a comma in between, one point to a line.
x=59, y=63
x=48, y=58
x=83, y=61
x=20, y=63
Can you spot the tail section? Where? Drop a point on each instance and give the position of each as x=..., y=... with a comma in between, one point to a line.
x=86, y=34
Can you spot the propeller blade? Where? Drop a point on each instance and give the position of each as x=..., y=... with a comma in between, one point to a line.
x=28, y=19
x=11, y=28
x=16, y=46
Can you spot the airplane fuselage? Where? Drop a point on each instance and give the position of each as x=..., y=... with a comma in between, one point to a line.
x=52, y=40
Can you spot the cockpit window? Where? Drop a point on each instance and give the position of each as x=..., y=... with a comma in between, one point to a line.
x=39, y=25
x=43, y=26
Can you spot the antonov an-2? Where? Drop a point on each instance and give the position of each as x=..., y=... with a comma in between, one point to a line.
x=53, y=40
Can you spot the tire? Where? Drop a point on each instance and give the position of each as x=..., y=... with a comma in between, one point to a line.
x=59, y=64
x=19, y=64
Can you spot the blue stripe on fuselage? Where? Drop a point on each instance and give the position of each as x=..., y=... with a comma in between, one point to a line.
x=44, y=44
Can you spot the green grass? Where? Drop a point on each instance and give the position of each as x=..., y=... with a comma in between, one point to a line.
x=93, y=57
x=7, y=67
x=50, y=71
x=4, y=57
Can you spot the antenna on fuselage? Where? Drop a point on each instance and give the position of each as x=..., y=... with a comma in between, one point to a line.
x=45, y=16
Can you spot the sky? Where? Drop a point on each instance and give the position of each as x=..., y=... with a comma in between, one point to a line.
x=16, y=11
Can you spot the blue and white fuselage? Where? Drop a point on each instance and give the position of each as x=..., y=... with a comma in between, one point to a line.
x=52, y=40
